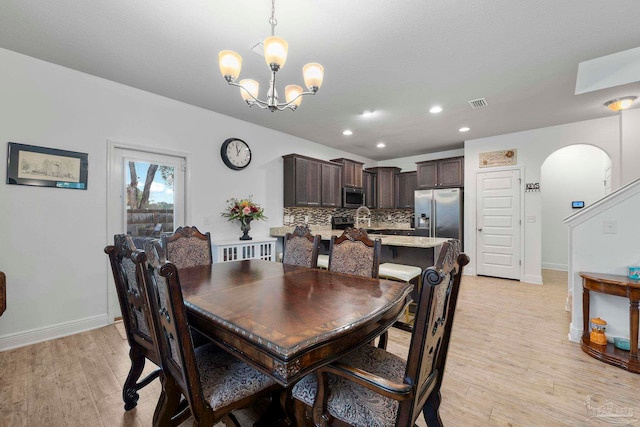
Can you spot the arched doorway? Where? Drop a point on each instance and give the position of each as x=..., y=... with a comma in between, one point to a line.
x=574, y=173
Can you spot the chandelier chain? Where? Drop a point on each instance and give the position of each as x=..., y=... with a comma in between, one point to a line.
x=273, y=21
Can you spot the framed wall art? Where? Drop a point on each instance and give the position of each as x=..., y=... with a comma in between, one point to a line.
x=46, y=167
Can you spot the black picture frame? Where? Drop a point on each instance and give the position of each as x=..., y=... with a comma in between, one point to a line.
x=46, y=167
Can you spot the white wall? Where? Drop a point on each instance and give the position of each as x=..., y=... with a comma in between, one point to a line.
x=53, y=239
x=630, y=145
x=533, y=147
x=572, y=173
x=593, y=250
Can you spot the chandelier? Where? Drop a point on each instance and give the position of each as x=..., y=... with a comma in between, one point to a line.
x=275, y=54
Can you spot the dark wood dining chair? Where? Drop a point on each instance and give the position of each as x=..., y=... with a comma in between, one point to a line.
x=355, y=253
x=127, y=264
x=212, y=380
x=301, y=247
x=188, y=247
x=371, y=386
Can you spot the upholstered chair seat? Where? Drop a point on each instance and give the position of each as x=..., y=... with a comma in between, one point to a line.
x=355, y=404
x=225, y=378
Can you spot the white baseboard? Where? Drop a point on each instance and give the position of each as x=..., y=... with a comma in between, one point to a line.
x=536, y=280
x=575, y=334
x=34, y=336
x=553, y=266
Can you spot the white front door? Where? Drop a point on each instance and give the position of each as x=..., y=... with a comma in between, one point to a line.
x=498, y=224
x=145, y=198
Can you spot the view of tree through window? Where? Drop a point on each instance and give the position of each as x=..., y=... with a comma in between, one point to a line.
x=150, y=201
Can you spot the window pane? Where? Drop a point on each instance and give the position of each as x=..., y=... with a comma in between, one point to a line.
x=150, y=198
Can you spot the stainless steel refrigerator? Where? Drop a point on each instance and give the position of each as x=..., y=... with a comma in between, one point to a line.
x=438, y=213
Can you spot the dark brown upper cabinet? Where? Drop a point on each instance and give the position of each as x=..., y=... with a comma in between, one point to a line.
x=406, y=184
x=311, y=182
x=351, y=172
x=441, y=173
x=385, y=186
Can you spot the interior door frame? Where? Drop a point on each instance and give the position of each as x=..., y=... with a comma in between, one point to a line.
x=113, y=205
x=474, y=217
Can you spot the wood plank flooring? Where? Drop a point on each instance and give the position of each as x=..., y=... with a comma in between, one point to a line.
x=510, y=364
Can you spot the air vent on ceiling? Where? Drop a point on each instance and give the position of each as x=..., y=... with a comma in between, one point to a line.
x=478, y=103
x=257, y=48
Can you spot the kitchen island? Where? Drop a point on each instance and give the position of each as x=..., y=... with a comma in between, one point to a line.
x=410, y=250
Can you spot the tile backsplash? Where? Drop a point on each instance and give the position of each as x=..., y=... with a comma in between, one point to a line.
x=321, y=217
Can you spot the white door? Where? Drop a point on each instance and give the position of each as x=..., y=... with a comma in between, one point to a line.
x=498, y=224
x=145, y=198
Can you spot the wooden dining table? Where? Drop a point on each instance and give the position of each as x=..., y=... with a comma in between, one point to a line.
x=286, y=320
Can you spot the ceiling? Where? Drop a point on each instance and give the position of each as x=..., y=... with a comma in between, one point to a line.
x=397, y=58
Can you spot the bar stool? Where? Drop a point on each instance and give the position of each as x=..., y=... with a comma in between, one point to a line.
x=323, y=261
x=402, y=273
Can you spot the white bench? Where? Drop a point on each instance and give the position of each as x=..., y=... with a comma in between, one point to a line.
x=402, y=273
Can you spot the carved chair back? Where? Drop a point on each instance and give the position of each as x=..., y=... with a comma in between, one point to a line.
x=301, y=247
x=432, y=331
x=127, y=265
x=188, y=247
x=170, y=321
x=355, y=253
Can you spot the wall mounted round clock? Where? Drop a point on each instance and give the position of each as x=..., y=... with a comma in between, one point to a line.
x=235, y=153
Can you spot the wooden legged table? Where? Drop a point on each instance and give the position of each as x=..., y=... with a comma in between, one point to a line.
x=286, y=320
x=612, y=285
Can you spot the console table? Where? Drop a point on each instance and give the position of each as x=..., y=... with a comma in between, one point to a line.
x=621, y=286
x=237, y=250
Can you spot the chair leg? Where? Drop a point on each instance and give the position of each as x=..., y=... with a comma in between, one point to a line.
x=431, y=410
x=168, y=403
x=130, y=390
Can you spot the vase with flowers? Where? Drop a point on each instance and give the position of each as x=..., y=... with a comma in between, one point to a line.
x=244, y=210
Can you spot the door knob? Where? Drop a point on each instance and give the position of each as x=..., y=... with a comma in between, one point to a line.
x=479, y=229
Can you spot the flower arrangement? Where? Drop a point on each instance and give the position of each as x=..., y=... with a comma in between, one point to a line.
x=243, y=210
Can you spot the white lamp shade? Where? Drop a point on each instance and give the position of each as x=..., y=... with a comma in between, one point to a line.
x=275, y=51
x=313, y=75
x=251, y=86
x=291, y=91
x=230, y=63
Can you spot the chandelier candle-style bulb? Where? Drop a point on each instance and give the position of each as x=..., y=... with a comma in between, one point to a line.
x=230, y=64
x=293, y=95
x=313, y=74
x=249, y=90
x=275, y=52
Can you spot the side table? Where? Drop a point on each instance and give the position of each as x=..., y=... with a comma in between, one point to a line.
x=622, y=286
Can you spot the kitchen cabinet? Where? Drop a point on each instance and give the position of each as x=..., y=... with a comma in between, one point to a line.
x=369, y=187
x=385, y=186
x=351, y=172
x=406, y=183
x=331, y=185
x=311, y=182
x=441, y=173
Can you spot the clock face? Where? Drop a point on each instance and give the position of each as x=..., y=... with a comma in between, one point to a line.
x=235, y=153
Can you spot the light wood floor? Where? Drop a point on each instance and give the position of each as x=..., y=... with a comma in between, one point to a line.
x=509, y=364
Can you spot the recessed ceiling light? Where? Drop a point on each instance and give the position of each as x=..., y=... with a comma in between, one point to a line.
x=367, y=113
x=347, y=132
x=464, y=129
x=435, y=109
x=381, y=145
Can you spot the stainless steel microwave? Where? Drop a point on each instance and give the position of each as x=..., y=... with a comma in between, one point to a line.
x=352, y=197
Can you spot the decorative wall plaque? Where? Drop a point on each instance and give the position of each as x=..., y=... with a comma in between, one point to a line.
x=492, y=159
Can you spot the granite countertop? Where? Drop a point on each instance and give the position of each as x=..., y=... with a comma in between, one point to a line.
x=406, y=241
